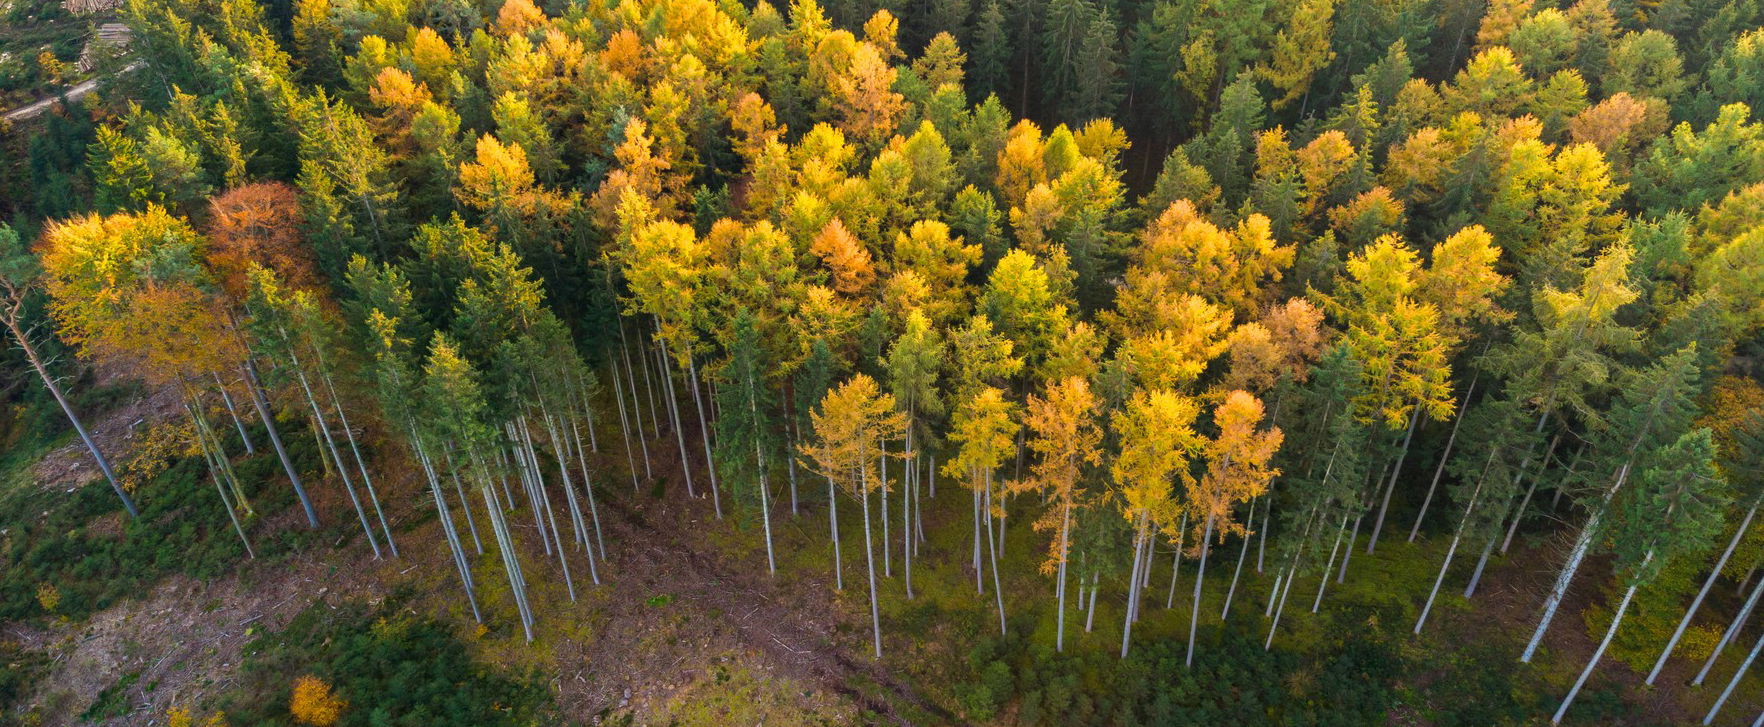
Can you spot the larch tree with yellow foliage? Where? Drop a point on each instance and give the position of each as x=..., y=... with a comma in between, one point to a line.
x=665, y=266
x=1238, y=471
x=853, y=421
x=1067, y=443
x=984, y=431
x=1157, y=439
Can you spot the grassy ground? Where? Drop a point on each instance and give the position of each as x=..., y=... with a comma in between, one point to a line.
x=686, y=627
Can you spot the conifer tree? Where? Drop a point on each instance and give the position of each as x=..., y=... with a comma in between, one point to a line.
x=745, y=428
x=853, y=421
x=1654, y=406
x=1066, y=440
x=984, y=431
x=1157, y=439
x=1237, y=471
x=20, y=278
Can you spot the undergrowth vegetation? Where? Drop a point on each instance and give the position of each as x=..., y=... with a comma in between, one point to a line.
x=387, y=667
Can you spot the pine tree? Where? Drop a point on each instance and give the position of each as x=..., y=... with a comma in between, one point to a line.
x=1673, y=510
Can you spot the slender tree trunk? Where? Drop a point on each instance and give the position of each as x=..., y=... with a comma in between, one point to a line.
x=1139, y=538
x=563, y=561
x=1396, y=471
x=1616, y=621
x=1091, y=607
x=269, y=423
x=214, y=472
x=561, y=447
x=759, y=462
x=1287, y=573
x=510, y=564
x=649, y=388
x=588, y=487
x=530, y=482
x=882, y=492
x=1242, y=553
x=1697, y=602
x=636, y=402
x=1581, y=543
x=465, y=504
x=930, y=472
x=978, y=574
x=710, y=463
x=992, y=550
x=906, y=511
x=1560, y=589
x=870, y=557
x=674, y=413
x=30, y=352
x=1200, y=579
x=1285, y=591
x=210, y=444
x=588, y=414
x=1176, y=567
x=933, y=475
x=233, y=412
x=1444, y=456
x=367, y=480
x=331, y=448
x=1267, y=522
x=1481, y=563
x=1324, y=582
x=624, y=422
x=833, y=527
x=1452, y=550
x=1525, y=502
x=1347, y=555
x=505, y=544
x=447, y=527
x=1065, y=547
x=1726, y=692
x=1739, y=620
x=1291, y=571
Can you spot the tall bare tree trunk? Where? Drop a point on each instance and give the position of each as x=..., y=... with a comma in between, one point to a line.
x=269, y=423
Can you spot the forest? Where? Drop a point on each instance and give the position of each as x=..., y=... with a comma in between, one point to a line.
x=860, y=348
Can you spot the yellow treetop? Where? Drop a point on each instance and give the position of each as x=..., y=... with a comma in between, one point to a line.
x=984, y=430
x=1066, y=439
x=131, y=287
x=853, y=269
x=1157, y=438
x=1237, y=463
x=1229, y=268
x=852, y=421
x=313, y=702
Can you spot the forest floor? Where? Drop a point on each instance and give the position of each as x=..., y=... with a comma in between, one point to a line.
x=687, y=627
